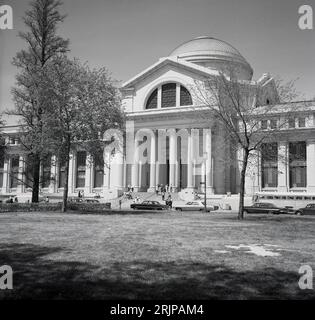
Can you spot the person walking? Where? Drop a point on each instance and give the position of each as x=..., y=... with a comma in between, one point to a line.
x=169, y=201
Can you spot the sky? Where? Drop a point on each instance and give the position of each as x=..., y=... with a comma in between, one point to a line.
x=127, y=36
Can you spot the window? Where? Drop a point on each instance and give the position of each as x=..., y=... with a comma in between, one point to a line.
x=291, y=123
x=302, y=122
x=169, y=95
x=264, y=124
x=269, y=165
x=273, y=124
x=62, y=174
x=297, y=164
x=185, y=97
x=81, y=162
x=152, y=101
x=14, y=172
x=168, y=98
x=45, y=178
x=98, y=173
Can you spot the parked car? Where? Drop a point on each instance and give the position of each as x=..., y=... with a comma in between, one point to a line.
x=264, y=207
x=308, y=210
x=83, y=200
x=149, y=205
x=194, y=206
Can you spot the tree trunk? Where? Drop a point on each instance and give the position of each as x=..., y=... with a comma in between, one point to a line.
x=66, y=185
x=65, y=188
x=242, y=184
x=36, y=178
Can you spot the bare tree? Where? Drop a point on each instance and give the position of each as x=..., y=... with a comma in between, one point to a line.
x=43, y=44
x=249, y=116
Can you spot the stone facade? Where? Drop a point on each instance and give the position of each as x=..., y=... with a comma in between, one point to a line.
x=175, y=141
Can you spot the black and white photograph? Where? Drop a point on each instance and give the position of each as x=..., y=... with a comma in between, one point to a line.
x=157, y=151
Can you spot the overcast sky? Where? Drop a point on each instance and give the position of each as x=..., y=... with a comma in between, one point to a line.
x=127, y=36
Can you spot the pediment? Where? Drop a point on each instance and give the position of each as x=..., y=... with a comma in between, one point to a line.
x=167, y=63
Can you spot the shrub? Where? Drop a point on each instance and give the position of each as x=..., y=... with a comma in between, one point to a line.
x=29, y=207
x=89, y=207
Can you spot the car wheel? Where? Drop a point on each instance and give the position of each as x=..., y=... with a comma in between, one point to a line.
x=298, y=213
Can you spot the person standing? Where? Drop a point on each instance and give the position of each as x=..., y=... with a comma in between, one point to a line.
x=169, y=201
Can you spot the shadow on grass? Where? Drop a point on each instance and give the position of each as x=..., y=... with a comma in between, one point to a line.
x=36, y=277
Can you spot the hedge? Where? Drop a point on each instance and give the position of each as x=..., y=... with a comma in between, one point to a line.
x=29, y=207
x=89, y=207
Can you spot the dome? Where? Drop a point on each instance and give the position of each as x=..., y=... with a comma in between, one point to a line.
x=212, y=53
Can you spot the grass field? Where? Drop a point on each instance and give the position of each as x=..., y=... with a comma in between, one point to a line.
x=155, y=256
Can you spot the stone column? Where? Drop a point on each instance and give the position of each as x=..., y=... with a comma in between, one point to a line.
x=310, y=165
x=189, y=162
x=21, y=176
x=53, y=185
x=89, y=167
x=152, y=163
x=72, y=173
x=117, y=171
x=282, y=166
x=172, y=159
x=6, y=175
x=157, y=173
x=209, y=182
x=135, y=168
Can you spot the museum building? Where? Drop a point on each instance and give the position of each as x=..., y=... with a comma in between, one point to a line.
x=162, y=107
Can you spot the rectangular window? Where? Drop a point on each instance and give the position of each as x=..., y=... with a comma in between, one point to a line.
x=264, y=124
x=45, y=178
x=62, y=174
x=291, y=123
x=14, y=172
x=98, y=173
x=269, y=165
x=297, y=164
x=302, y=122
x=273, y=124
x=81, y=167
x=169, y=95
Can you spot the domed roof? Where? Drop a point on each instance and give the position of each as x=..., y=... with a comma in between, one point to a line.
x=208, y=49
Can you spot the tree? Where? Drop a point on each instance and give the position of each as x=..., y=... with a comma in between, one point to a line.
x=241, y=107
x=83, y=104
x=43, y=44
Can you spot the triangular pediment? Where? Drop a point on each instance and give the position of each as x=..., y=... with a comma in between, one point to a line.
x=164, y=62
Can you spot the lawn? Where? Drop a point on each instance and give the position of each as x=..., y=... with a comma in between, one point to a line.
x=155, y=256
